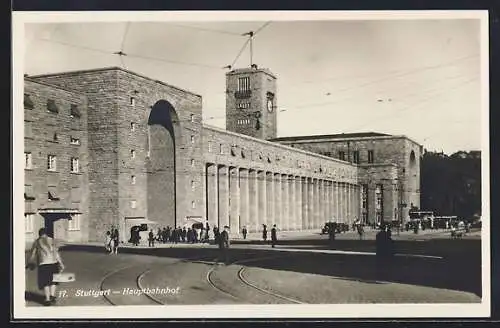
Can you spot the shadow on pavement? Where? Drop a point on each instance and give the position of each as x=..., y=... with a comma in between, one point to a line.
x=459, y=269
x=34, y=297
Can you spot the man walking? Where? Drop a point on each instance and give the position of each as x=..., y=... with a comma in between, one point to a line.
x=224, y=244
x=151, y=238
x=244, y=232
x=274, y=238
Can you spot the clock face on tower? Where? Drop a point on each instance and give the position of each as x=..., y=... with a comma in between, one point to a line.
x=270, y=105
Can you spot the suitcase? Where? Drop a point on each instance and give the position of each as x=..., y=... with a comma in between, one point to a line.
x=63, y=277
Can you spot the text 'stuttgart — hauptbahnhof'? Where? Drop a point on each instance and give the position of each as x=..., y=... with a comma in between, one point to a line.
x=109, y=147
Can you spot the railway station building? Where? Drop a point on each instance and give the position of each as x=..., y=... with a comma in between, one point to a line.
x=109, y=147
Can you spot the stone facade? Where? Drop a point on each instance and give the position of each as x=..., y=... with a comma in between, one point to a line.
x=58, y=193
x=391, y=161
x=146, y=156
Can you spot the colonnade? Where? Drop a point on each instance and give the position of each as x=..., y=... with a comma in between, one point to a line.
x=239, y=197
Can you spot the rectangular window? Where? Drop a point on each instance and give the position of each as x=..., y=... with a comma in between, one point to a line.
x=51, y=163
x=28, y=164
x=221, y=149
x=74, y=141
x=193, y=204
x=132, y=101
x=29, y=193
x=370, y=156
x=132, y=153
x=74, y=222
x=28, y=129
x=192, y=163
x=75, y=166
x=193, y=185
x=74, y=111
x=192, y=139
x=192, y=118
x=28, y=103
x=355, y=156
x=132, y=126
x=244, y=83
x=209, y=147
x=342, y=155
x=52, y=107
x=132, y=180
x=52, y=194
x=29, y=223
x=133, y=204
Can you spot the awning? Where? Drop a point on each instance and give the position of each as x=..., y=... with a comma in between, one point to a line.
x=140, y=220
x=59, y=211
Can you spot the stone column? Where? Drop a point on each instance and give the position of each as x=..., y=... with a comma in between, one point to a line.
x=278, y=213
x=298, y=203
x=340, y=198
x=270, y=198
x=291, y=202
x=253, y=222
x=285, y=219
x=315, y=202
x=212, y=195
x=234, y=201
x=310, y=203
x=244, y=199
x=223, y=177
x=305, y=203
x=262, y=198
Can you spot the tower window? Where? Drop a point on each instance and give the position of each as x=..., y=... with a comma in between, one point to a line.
x=133, y=180
x=370, y=156
x=243, y=105
x=193, y=204
x=244, y=83
x=133, y=204
x=132, y=153
x=192, y=163
x=132, y=126
x=221, y=149
x=192, y=139
x=132, y=101
x=193, y=185
x=192, y=118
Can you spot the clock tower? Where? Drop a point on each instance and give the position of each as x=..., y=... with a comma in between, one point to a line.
x=251, y=102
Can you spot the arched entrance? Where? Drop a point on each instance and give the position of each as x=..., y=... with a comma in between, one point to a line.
x=163, y=129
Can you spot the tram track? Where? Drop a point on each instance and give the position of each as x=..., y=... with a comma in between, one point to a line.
x=244, y=282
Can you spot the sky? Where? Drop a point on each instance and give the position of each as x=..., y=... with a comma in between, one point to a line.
x=415, y=77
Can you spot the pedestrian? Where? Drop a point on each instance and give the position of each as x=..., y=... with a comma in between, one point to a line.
x=264, y=233
x=151, y=239
x=274, y=237
x=244, y=232
x=224, y=245
x=107, y=242
x=216, y=235
x=184, y=235
x=115, y=236
x=207, y=232
x=45, y=255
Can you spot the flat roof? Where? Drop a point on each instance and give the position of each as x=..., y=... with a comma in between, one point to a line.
x=332, y=136
x=113, y=68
